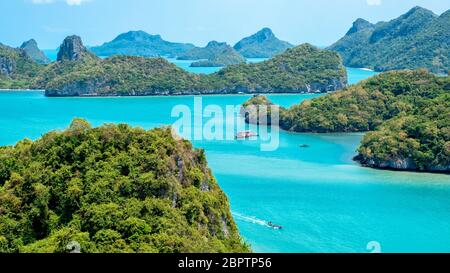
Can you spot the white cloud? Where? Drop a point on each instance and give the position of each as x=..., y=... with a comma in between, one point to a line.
x=68, y=2
x=373, y=2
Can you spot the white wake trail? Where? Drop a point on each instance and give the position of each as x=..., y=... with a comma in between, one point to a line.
x=250, y=219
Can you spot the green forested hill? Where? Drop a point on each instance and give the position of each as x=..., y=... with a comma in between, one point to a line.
x=33, y=51
x=301, y=69
x=417, y=39
x=78, y=72
x=407, y=110
x=214, y=54
x=17, y=69
x=111, y=189
x=140, y=43
x=263, y=44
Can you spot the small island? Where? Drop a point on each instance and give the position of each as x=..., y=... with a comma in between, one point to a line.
x=112, y=189
x=405, y=112
x=31, y=48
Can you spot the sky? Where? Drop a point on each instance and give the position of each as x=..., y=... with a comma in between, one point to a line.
x=320, y=22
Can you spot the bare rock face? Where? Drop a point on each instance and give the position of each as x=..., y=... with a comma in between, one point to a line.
x=7, y=66
x=72, y=49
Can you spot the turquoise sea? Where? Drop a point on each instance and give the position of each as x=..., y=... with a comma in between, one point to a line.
x=324, y=201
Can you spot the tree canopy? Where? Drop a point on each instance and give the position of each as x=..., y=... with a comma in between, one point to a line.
x=111, y=189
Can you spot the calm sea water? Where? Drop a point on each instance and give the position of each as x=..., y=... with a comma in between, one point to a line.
x=324, y=201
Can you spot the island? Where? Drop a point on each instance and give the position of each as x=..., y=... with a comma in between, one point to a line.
x=405, y=112
x=263, y=44
x=78, y=72
x=17, y=68
x=140, y=43
x=112, y=189
x=417, y=39
x=31, y=48
x=215, y=54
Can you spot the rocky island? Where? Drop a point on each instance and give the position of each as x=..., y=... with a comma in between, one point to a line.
x=417, y=39
x=80, y=73
x=17, y=69
x=406, y=112
x=112, y=189
x=31, y=48
x=140, y=43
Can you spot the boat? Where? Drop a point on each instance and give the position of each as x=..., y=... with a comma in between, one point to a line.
x=304, y=146
x=274, y=226
x=245, y=135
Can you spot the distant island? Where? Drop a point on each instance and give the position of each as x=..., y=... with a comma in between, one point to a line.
x=417, y=39
x=78, y=72
x=31, y=48
x=263, y=44
x=215, y=54
x=408, y=112
x=140, y=43
x=112, y=189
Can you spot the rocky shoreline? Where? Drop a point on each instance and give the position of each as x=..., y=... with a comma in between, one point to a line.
x=399, y=164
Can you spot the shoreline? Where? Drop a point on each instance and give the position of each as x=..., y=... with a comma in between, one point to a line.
x=168, y=96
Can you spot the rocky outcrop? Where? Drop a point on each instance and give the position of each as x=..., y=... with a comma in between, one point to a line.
x=263, y=44
x=304, y=69
x=83, y=88
x=414, y=139
x=360, y=24
x=32, y=50
x=399, y=164
x=72, y=49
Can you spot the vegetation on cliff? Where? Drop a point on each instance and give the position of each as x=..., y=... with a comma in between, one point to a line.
x=140, y=43
x=17, y=69
x=408, y=110
x=111, y=189
x=33, y=51
x=302, y=69
x=214, y=54
x=78, y=72
x=417, y=39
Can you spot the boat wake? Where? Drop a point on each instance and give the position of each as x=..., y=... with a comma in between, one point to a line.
x=250, y=219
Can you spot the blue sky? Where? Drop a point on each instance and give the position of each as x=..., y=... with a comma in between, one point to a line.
x=320, y=22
